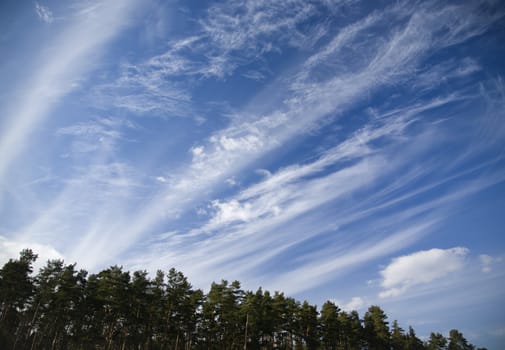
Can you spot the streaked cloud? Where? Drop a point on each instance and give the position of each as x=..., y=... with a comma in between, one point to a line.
x=44, y=13
x=102, y=134
x=54, y=77
x=488, y=262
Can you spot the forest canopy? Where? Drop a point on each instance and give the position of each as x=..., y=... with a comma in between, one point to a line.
x=61, y=307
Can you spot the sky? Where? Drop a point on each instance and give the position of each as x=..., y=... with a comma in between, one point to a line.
x=337, y=150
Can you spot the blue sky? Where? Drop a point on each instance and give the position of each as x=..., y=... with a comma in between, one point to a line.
x=342, y=150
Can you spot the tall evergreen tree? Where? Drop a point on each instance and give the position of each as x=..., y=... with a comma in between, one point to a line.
x=376, y=329
x=398, y=337
x=181, y=307
x=57, y=306
x=351, y=335
x=282, y=321
x=458, y=342
x=16, y=289
x=113, y=299
x=330, y=325
x=138, y=322
x=222, y=321
x=436, y=342
x=309, y=325
x=412, y=341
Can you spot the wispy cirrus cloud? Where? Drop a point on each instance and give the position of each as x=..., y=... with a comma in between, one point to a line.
x=312, y=100
x=65, y=197
x=145, y=90
x=488, y=262
x=44, y=13
x=241, y=33
x=269, y=213
x=101, y=134
x=54, y=78
x=229, y=36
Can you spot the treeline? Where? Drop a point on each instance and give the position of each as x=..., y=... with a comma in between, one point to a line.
x=64, y=308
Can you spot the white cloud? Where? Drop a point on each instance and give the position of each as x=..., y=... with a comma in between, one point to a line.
x=44, y=13
x=487, y=262
x=500, y=332
x=254, y=75
x=356, y=303
x=420, y=268
x=9, y=249
x=231, y=181
x=445, y=72
x=231, y=211
x=237, y=33
x=250, y=142
x=100, y=134
x=198, y=151
x=145, y=88
x=229, y=36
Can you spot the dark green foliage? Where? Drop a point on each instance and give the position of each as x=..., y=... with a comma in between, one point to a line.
x=330, y=325
x=63, y=308
x=413, y=342
x=376, y=329
x=351, y=335
x=458, y=342
x=222, y=323
x=309, y=327
x=436, y=342
x=16, y=290
x=398, y=337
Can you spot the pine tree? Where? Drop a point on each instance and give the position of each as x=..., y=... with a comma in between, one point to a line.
x=458, y=342
x=398, y=337
x=16, y=289
x=413, y=342
x=436, y=342
x=309, y=325
x=376, y=329
x=330, y=325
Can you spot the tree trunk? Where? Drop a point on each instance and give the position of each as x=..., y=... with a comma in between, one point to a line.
x=33, y=342
x=5, y=309
x=245, y=333
x=53, y=344
x=17, y=337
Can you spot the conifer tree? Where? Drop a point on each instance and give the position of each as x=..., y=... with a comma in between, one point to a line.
x=16, y=289
x=376, y=329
